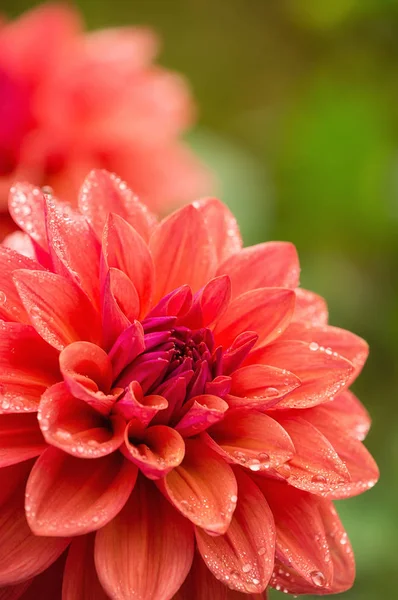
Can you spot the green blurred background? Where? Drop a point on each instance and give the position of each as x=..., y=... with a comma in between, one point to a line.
x=299, y=119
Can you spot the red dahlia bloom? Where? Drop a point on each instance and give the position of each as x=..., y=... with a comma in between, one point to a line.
x=70, y=101
x=176, y=419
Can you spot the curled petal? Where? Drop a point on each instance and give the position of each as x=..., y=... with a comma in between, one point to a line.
x=322, y=374
x=75, y=427
x=176, y=303
x=182, y=252
x=120, y=305
x=243, y=558
x=11, y=307
x=28, y=365
x=22, y=554
x=87, y=372
x=134, y=405
x=253, y=440
x=126, y=348
x=272, y=264
x=316, y=466
x=260, y=386
x=156, y=451
x=203, y=411
x=266, y=311
x=103, y=193
x=59, y=311
x=238, y=350
x=80, y=580
x=203, y=488
x=310, y=308
x=147, y=521
x=20, y=438
x=70, y=496
x=124, y=249
x=222, y=226
x=209, y=304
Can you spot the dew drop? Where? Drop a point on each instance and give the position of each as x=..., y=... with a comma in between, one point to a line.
x=318, y=578
x=319, y=479
x=3, y=298
x=261, y=551
x=247, y=567
x=314, y=346
x=234, y=499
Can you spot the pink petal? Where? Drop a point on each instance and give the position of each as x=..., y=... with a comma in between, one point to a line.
x=351, y=414
x=237, y=352
x=201, y=584
x=322, y=375
x=75, y=427
x=315, y=467
x=182, y=252
x=80, y=581
x=134, y=405
x=103, y=193
x=59, y=311
x=260, y=386
x=253, y=440
x=11, y=307
x=48, y=584
x=14, y=592
x=301, y=543
x=203, y=488
x=71, y=496
x=147, y=522
x=20, y=242
x=266, y=311
x=209, y=304
x=27, y=367
x=120, y=305
x=87, y=372
x=243, y=558
x=156, y=451
x=20, y=438
x=361, y=466
x=222, y=226
x=272, y=264
x=203, y=411
x=26, y=206
x=126, y=348
x=332, y=339
x=176, y=303
x=310, y=308
x=74, y=249
x=23, y=555
x=125, y=250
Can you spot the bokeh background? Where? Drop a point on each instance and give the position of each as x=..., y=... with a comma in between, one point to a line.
x=298, y=117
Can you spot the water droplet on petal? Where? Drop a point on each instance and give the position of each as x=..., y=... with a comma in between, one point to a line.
x=247, y=567
x=314, y=346
x=318, y=578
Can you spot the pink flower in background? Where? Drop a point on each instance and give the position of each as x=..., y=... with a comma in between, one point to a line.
x=71, y=101
x=176, y=418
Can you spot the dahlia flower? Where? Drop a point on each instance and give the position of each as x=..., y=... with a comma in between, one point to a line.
x=176, y=419
x=70, y=101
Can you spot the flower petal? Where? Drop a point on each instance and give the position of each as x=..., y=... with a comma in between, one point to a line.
x=203, y=488
x=80, y=580
x=253, y=440
x=103, y=193
x=27, y=367
x=126, y=348
x=316, y=466
x=351, y=414
x=310, y=308
x=49, y=583
x=203, y=411
x=147, y=521
x=87, y=372
x=243, y=558
x=20, y=438
x=124, y=249
x=209, y=304
x=22, y=554
x=74, y=249
x=156, y=450
x=272, y=264
x=75, y=427
x=11, y=307
x=120, y=305
x=260, y=386
x=222, y=226
x=59, y=311
x=322, y=375
x=182, y=252
x=71, y=496
x=26, y=206
x=201, y=584
x=266, y=311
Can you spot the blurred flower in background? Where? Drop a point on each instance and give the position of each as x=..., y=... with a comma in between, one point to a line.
x=70, y=101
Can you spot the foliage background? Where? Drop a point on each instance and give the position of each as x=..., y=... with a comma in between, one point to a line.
x=299, y=119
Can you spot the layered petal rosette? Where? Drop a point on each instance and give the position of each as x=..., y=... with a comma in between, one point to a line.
x=71, y=101
x=176, y=419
